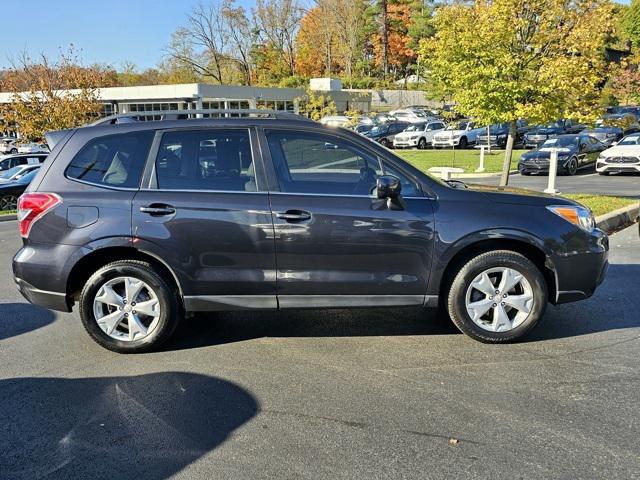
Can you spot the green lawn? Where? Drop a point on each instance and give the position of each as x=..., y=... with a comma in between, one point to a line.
x=7, y=212
x=469, y=160
x=601, y=204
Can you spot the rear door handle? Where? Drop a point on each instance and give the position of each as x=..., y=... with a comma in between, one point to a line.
x=158, y=210
x=294, y=215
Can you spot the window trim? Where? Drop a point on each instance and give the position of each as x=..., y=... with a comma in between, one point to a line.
x=274, y=184
x=150, y=175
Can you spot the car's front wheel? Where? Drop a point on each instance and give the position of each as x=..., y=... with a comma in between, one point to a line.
x=422, y=143
x=572, y=166
x=8, y=202
x=497, y=297
x=128, y=307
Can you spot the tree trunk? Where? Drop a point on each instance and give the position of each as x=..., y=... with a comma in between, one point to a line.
x=385, y=38
x=508, y=153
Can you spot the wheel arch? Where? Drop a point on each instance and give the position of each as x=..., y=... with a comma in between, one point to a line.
x=88, y=264
x=479, y=244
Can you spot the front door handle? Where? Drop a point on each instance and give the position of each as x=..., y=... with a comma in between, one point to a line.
x=294, y=215
x=156, y=210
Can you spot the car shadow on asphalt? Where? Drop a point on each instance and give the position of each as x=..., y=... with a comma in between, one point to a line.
x=612, y=307
x=228, y=327
x=19, y=318
x=137, y=427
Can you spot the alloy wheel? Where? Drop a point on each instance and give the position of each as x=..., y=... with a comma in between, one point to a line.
x=126, y=309
x=499, y=299
x=8, y=202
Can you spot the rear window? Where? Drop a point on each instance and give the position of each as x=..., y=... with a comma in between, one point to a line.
x=113, y=160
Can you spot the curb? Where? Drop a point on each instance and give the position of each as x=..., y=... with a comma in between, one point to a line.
x=480, y=175
x=618, y=219
x=8, y=218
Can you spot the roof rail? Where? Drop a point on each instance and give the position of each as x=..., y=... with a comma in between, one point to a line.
x=193, y=114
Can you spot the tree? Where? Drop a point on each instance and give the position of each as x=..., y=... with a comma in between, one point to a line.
x=316, y=106
x=509, y=59
x=631, y=22
x=41, y=101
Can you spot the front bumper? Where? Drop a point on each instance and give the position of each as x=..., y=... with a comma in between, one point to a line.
x=541, y=166
x=606, y=166
x=494, y=142
x=405, y=143
x=578, y=274
x=534, y=142
x=445, y=142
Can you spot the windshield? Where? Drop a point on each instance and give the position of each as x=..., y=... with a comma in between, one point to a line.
x=10, y=173
x=26, y=179
x=552, y=125
x=417, y=127
x=630, y=140
x=560, y=142
x=458, y=126
x=379, y=129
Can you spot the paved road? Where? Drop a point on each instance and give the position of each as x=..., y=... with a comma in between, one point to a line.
x=360, y=394
x=623, y=185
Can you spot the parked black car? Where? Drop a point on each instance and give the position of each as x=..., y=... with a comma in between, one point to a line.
x=606, y=135
x=9, y=192
x=138, y=223
x=538, y=135
x=11, y=161
x=498, y=133
x=574, y=152
x=628, y=122
x=384, y=133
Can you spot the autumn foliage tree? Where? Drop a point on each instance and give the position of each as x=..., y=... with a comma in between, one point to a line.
x=51, y=95
x=502, y=60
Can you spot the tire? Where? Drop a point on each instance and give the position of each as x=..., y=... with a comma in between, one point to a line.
x=525, y=173
x=13, y=150
x=163, y=324
x=8, y=202
x=572, y=167
x=422, y=144
x=532, y=284
x=385, y=143
x=463, y=143
x=603, y=173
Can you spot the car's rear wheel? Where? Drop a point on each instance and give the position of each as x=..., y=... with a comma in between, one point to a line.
x=128, y=307
x=8, y=202
x=497, y=297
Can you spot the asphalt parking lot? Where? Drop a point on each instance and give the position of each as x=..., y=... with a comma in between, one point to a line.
x=586, y=181
x=335, y=394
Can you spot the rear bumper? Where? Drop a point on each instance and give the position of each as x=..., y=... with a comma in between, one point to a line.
x=579, y=274
x=44, y=298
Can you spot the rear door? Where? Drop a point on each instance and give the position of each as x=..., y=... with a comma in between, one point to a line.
x=204, y=210
x=336, y=244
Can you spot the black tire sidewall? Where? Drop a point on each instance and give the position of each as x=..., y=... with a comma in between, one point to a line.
x=463, y=143
x=169, y=306
x=422, y=144
x=457, y=293
x=573, y=161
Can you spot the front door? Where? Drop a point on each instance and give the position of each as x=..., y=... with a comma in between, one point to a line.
x=206, y=214
x=337, y=245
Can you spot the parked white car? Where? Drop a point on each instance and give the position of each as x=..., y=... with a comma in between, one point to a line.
x=623, y=157
x=8, y=145
x=418, y=135
x=461, y=134
x=411, y=116
x=335, y=120
x=33, y=148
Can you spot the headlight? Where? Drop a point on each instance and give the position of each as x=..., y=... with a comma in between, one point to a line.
x=415, y=137
x=456, y=136
x=504, y=135
x=579, y=216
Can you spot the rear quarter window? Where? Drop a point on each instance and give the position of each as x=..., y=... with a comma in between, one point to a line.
x=113, y=160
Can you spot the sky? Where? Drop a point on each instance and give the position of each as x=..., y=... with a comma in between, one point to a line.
x=105, y=31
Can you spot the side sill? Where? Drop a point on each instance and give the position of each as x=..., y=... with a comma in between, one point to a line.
x=221, y=303
x=348, y=301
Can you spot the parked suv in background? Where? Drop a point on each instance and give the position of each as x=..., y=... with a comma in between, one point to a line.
x=496, y=135
x=138, y=223
x=418, y=135
x=461, y=134
x=536, y=136
x=384, y=133
x=21, y=159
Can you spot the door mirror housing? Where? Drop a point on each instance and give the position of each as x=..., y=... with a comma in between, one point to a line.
x=388, y=186
x=583, y=147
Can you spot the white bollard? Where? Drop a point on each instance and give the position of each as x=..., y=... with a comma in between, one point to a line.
x=480, y=169
x=553, y=172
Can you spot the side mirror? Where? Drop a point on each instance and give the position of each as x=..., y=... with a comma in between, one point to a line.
x=583, y=146
x=388, y=186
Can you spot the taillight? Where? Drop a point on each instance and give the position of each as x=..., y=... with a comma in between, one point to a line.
x=32, y=207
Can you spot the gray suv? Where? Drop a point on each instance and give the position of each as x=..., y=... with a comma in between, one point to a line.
x=139, y=223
